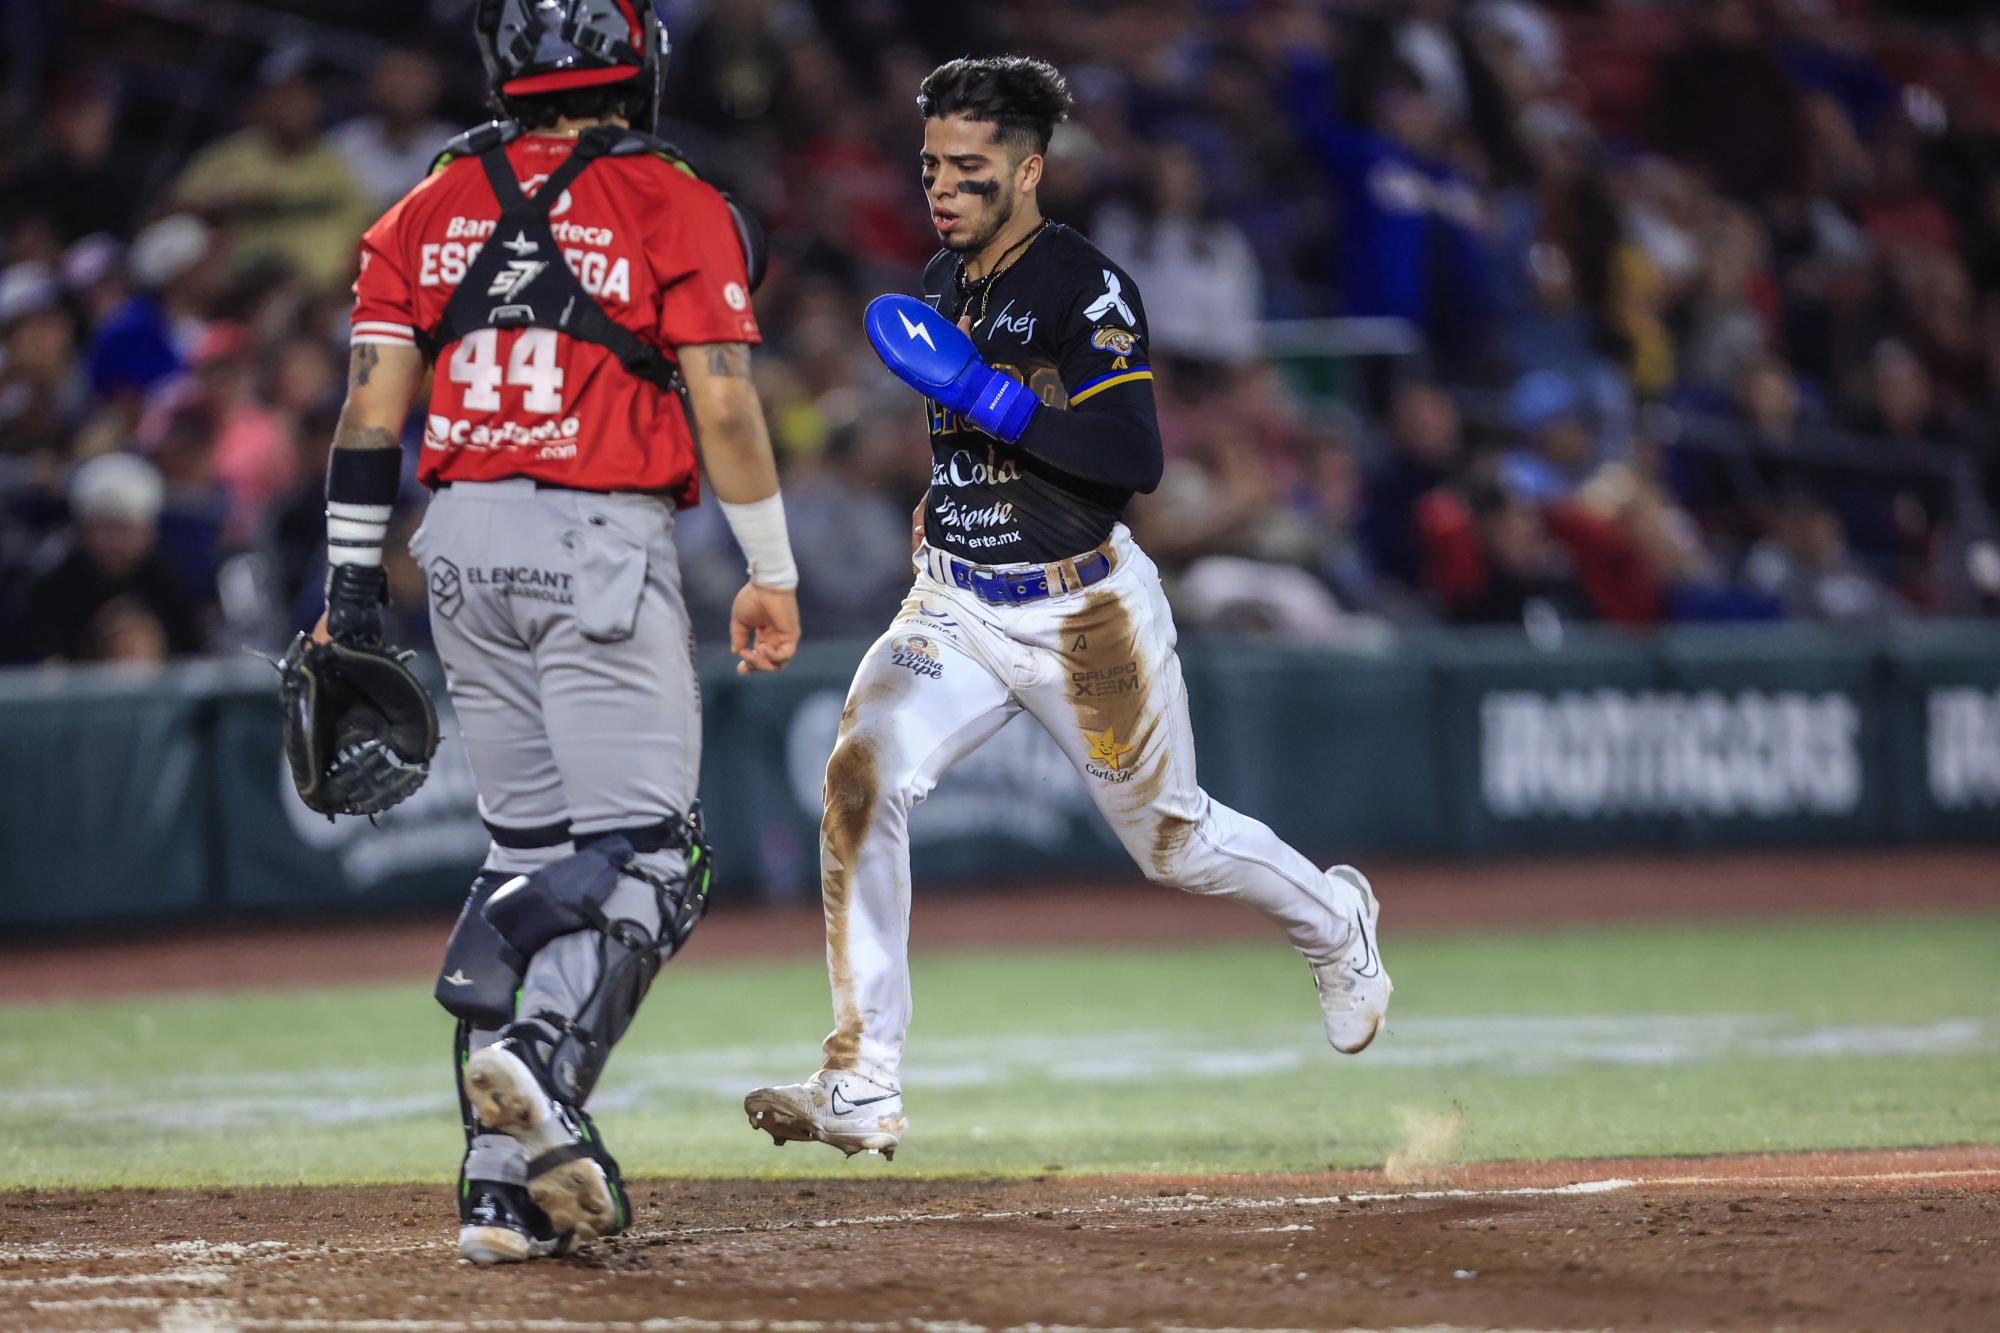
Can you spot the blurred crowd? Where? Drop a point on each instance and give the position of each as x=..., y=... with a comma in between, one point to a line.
x=1463, y=311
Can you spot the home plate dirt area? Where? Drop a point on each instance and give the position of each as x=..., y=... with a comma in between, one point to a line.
x=1876, y=1240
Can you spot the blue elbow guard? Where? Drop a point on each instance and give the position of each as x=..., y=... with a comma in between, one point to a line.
x=933, y=356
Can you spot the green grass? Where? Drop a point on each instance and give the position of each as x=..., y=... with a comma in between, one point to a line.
x=1635, y=1040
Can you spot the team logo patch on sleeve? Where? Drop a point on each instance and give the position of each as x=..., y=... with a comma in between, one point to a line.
x=914, y=652
x=1118, y=342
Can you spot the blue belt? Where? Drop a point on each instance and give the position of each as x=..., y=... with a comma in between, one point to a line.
x=1028, y=583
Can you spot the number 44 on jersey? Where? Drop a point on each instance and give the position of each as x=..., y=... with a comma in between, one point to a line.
x=532, y=364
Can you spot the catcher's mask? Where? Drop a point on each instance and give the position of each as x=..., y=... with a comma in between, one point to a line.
x=547, y=46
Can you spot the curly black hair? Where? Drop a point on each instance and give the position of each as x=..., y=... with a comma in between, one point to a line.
x=1024, y=98
x=625, y=100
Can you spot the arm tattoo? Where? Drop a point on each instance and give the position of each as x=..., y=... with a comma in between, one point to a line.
x=730, y=361
x=363, y=437
x=361, y=363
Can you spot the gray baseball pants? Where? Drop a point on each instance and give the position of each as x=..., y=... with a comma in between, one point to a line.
x=567, y=651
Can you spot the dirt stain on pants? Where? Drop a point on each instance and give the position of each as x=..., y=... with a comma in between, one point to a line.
x=852, y=788
x=1113, y=694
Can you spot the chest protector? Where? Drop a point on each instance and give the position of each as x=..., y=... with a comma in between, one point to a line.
x=494, y=293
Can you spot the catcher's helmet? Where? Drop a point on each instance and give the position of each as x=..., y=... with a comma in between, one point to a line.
x=547, y=46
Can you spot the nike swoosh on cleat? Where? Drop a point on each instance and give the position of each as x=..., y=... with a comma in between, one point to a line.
x=458, y=978
x=852, y=1106
x=1371, y=966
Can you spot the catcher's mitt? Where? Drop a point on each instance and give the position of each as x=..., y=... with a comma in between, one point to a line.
x=359, y=728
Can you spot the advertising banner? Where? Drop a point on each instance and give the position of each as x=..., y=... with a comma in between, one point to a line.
x=124, y=799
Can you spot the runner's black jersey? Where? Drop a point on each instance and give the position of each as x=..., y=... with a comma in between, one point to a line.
x=1068, y=323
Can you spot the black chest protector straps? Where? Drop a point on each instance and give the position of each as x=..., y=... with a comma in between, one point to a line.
x=521, y=280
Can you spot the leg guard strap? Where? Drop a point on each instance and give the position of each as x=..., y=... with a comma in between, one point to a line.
x=674, y=833
x=461, y=1051
x=555, y=1157
x=529, y=839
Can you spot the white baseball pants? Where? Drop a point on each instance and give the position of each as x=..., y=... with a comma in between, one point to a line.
x=1097, y=669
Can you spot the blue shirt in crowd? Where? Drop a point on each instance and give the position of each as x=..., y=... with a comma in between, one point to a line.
x=1410, y=244
x=134, y=349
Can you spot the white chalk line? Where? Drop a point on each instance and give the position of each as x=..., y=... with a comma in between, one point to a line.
x=103, y=1303
x=199, y=1316
x=1822, y=1178
x=189, y=1276
x=50, y=1252
x=189, y=1265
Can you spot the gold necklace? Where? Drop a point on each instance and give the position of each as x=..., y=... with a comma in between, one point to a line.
x=1008, y=258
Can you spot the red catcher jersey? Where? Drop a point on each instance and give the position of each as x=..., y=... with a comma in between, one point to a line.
x=658, y=250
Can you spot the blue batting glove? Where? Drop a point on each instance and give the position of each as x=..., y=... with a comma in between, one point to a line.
x=932, y=355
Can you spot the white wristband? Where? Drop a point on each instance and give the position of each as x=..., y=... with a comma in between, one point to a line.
x=760, y=530
x=355, y=533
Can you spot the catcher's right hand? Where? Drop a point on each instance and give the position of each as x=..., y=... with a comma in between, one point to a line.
x=764, y=628
x=360, y=729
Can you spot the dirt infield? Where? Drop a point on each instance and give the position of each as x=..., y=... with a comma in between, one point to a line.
x=1426, y=897
x=1825, y=1241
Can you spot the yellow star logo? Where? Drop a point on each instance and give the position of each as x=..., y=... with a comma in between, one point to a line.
x=1105, y=749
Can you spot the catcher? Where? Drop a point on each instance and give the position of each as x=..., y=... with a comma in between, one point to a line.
x=585, y=301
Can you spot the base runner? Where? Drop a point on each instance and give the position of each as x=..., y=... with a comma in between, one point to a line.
x=581, y=296
x=1030, y=596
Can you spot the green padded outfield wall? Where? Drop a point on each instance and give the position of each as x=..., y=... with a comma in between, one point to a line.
x=132, y=799
x=105, y=807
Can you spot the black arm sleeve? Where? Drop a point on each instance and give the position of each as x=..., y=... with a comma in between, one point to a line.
x=1112, y=448
x=1110, y=433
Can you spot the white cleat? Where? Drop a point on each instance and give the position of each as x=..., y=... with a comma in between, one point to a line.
x=834, y=1107
x=1354, y=988
x=565, y=1179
